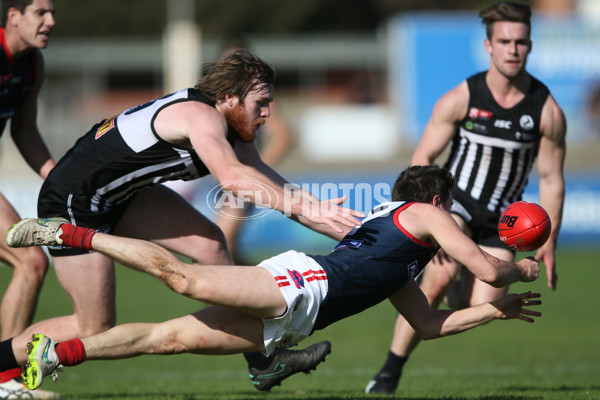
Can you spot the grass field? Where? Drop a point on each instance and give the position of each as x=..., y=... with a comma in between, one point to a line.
x=558, y=357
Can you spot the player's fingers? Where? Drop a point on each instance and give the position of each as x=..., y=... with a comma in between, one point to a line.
x=530, y=295
x=333, y=225
x=337, y=201
x=348, y=221
x=552, y=282
x=347, y=216
x=349, y=211
x=532, y=313
x=526, y=319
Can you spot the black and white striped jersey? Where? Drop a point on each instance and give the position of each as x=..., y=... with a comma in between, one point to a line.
x=124, y=154
x=494, y=148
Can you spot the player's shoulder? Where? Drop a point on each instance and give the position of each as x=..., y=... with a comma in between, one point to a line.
x=458, y=92
x=195, y=107
x=454, y=103
x=553, y=124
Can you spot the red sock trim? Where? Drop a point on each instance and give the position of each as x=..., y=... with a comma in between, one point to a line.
x=77, y=237
x=9, y=374
x=70, y=352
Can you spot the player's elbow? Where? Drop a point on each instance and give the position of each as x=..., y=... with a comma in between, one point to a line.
x=428, y=333
x=492, y=277
x=427, y=328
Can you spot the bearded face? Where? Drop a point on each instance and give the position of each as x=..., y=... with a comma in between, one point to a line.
x=240, y=121
x=247, y=116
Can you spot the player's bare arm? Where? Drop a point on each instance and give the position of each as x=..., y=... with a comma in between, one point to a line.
x=25, y=133
x=430, y=223
x=431, y=323
x=448, y=111
x=550, y=164
x=205, y=129
x=248, y=154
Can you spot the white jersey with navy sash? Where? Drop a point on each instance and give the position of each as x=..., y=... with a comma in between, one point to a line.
x=372, y=262
x=123, y=154
x=494, y=148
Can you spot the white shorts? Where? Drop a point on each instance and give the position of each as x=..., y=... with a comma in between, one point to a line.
x=303, y=284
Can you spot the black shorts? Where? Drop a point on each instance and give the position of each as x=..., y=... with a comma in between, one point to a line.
x=54, y=201
x=482, y=222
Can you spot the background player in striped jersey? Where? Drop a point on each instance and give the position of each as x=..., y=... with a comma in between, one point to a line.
x=26, y=27
x=289, y=296
x=497, y=121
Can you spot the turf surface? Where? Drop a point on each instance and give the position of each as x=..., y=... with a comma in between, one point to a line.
x=558, y=357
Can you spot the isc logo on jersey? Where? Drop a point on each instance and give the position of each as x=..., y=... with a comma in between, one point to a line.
x=503, y=124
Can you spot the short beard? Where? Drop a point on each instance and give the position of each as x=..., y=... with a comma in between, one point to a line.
x=237, y=120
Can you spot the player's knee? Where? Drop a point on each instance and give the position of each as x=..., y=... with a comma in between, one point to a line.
x=32, y=265
x=437, y=288
x=95, y=328
x=212, y=249
x=93, y=325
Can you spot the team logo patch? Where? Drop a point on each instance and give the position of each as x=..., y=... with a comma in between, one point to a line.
x=297, y=278
x=526, y=122
x=477, y=113
x=348, y=243
x=105, y=127
x=413, y=268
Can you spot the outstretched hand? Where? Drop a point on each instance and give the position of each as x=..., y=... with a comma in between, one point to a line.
x=511, y=306
x=328, y=212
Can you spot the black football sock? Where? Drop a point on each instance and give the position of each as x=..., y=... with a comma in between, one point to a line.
x=7, y=357
x=393, y=365
x=257, y=360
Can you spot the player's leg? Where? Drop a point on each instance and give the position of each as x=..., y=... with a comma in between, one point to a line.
x=470, y=290
x=214, y=330
x=29, y=267
x=436, y=281
x=481, y=292
x=162, y=216
x=223, y=285
x=230, y=220
x=89, y=281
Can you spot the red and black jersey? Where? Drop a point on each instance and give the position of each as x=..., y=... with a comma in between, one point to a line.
x=372, y=262
x=16, y=80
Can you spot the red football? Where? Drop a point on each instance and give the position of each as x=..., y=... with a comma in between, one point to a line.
x=524, y=226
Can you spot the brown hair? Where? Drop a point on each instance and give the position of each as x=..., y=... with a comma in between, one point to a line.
x=235, y=74
x=20, y=5
x=421, y=183
x=505, y=11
